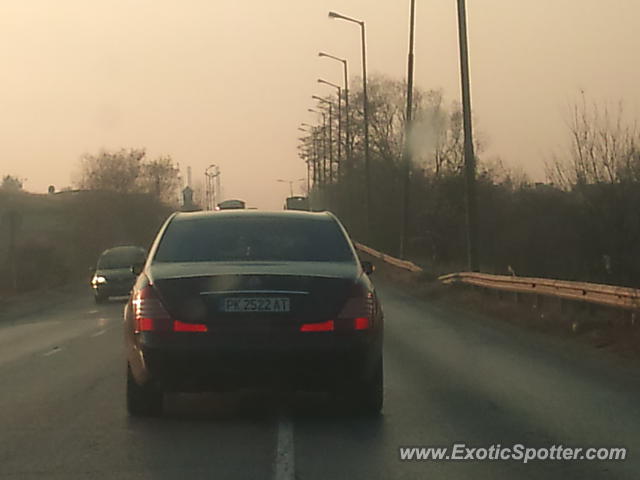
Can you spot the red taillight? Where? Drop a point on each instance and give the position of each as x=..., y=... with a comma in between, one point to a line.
x=356, y=314
x=151, y=315
x=188, y=327
x=327, y=326
x=361, y=323
x=149, y=312
x=144, y=325
x=358, y=310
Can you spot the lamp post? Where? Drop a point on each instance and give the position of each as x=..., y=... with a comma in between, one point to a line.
x=327, y=102
x=347, y=120
x=322, y=176
x=469, y=155
x=307, y=149
x=407, y=148
x=365, y=110
x=315, y=151
x=312, y=155
x=339, y=88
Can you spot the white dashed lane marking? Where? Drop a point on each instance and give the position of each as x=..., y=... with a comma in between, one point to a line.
x=285, y=455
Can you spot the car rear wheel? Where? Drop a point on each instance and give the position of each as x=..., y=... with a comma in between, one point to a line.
x=143, y=400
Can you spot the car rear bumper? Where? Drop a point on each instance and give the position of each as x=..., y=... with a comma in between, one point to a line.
x=302, y=363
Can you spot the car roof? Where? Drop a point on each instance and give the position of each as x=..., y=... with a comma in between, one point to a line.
x=254, y=214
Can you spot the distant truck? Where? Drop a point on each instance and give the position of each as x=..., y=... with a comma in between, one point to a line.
x=231, y=205
x=296, y=203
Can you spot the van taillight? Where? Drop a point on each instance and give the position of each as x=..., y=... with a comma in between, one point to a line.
x=151, y=315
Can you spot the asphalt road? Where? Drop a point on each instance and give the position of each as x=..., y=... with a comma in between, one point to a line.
x=449, y=378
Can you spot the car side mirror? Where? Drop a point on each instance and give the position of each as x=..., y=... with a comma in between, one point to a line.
x=137, y=268
x=368, y=267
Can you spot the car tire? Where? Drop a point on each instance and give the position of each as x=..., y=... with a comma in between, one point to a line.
x=143, y=400
x=366, y=397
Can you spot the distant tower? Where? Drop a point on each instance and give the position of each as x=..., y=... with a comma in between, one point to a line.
x=189, y=177
x=187, y=199
x=218, y=187
x=212, y=186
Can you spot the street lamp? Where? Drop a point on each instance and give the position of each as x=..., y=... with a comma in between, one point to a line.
x=404, y=233
x=339, y=88
x=312, y=152
x=347, y=129
x=307, y=147
x=327, y=102
x=365, y=111
x=306, y=156
x=322, y=176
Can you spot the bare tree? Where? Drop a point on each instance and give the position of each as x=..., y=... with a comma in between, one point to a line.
x=603, y=148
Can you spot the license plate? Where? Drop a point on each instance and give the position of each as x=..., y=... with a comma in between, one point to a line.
x=256, y=304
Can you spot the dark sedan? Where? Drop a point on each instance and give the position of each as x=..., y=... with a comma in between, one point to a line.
x=113, y=276
x=247, y=299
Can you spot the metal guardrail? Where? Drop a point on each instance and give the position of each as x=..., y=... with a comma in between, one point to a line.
x=608, y=295
x=404, y=264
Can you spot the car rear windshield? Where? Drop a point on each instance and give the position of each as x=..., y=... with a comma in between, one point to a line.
x=120, y=258
x=253, y=239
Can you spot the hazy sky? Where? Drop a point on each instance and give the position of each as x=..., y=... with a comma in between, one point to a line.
x=229, y=81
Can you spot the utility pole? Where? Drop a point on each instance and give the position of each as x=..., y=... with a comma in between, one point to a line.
x=407, y=148
x=469, y=155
